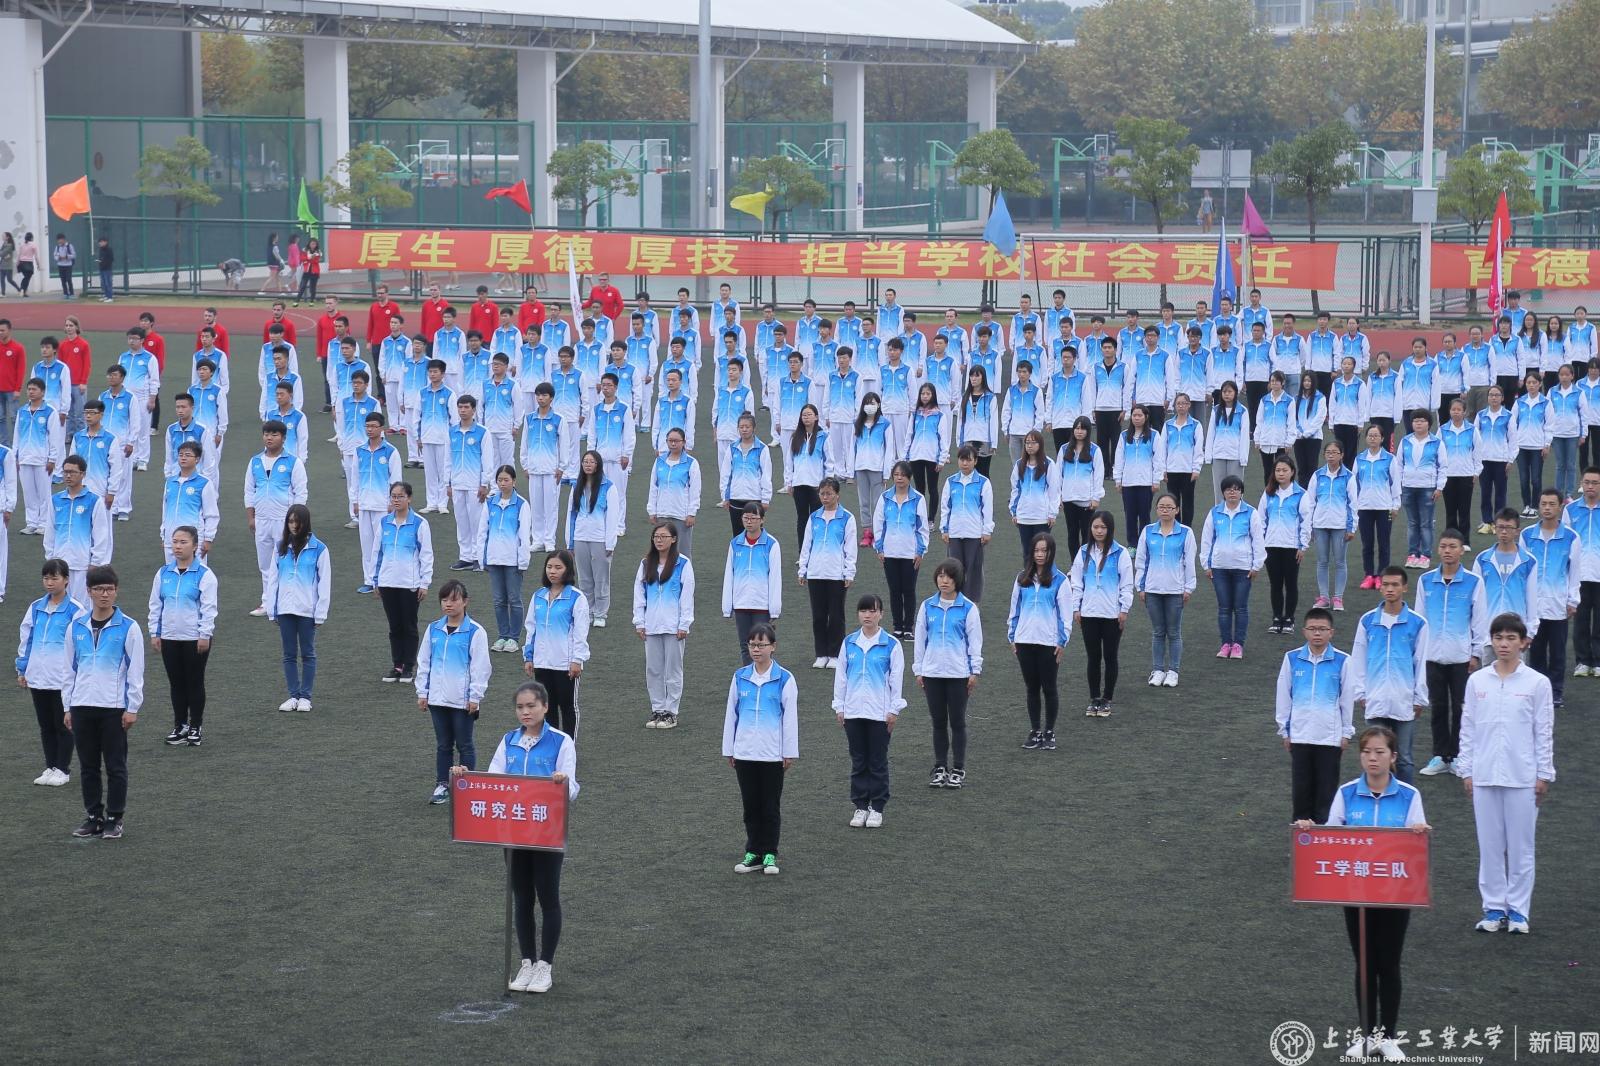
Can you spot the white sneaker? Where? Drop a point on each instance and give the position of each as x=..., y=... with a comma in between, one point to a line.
x=259, y=612
x=857, y=820
x=541, y=978
x=1358, y=1050
x=833, y=663
x=1580, y=671
x=302, y=704
x=1171, y=680
x=599, y=623
x=519, y=983
x=874, y=819
x=58, y=778
x=288, y=704
x=352, y=524
x=1157, y=677
x=1388, y=1050
x=49, y=776
x=819, y=664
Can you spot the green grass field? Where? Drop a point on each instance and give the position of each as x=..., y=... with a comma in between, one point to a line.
x=286, y=894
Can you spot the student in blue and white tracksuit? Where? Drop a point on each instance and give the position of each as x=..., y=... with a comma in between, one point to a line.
x=674, y=493
x=273, y=481
x=1276, y=424
x=1315, y=715
x=900, y=537
x=37, y=448
x=1038, y=626
x=1507, y=763
x=1310, y=415
x=1583, y=515
x=867, y=701
x=189, y=499
x=1453, y=600
x=507, y=546
x=375, y=465
x=1347, y=409
x=470, y=474
x=826, y=565
x=105, y=659
x=1420, y=456
x=1558, y=551
x=78, y=530
x=42, y=665
x=761, y=740
x=1183, y=454
x=555, y=647
x=1164, y=575
x=746, y=473
x=663, y=613
x=1494, y=445
x=452, y=677
x=1461, y=466
x=1390, y=670
x=183, y=617
x=1227, y=437
x=978, y=418
x=1285, y=533
x=401, y=569
x=1377, y=474
x=299, y=592
x=1330, y=518
x=8, y=503
x=1035, y=489
x=1530, y=432
x=752, y=579
x=594, y=515
x=1080, y=468
x=549, y=454
x=1136, y=468
x=928, y=445
x=874, y=447
x=1102, y=596
x=1232, y=551
x=536, y=748
x=948, y=660
x=967, y=522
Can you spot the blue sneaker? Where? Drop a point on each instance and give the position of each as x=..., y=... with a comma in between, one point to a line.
x=1518, y=923
x=366, y=590
x=1435, y=766
x=1493, y=922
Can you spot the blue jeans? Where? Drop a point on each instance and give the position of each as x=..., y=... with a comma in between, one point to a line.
x=1419, y=520
x=8, y=405
x=505, y=585
x=1166, y=629
x=107, y=285
x=1233, y=604
x=452, y=728
x=1404, y=768
x=299, y=635
x=1565, y=452
x=1332, y=554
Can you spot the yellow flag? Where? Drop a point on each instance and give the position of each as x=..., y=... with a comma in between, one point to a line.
x=752, y=203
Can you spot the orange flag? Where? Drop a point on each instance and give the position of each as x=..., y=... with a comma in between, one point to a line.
x=71, y=199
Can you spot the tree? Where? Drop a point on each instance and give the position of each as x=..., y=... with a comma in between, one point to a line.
x=486, y=78
x=994, y=160
x=913, y=94
x=779, y=92
x=1473, y=186
x=1031, y=100
x=360, y=184
x=177, y=172
x=644, y=88
x=1309, y=166
x=380, y=74
x=1545, y=76
x=585, y=174
x=1158, y=165
x=791, y=181
x=229, y=77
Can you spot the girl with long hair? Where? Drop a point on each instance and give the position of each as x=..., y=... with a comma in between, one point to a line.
x=1035, y=489
x=1038, y=626
x=980, y=417
x=874, y=448
x=1227, y=437
x=1137, y=470
x=805, y=464
x=663, y=612
x=556, y=642
x=1080, y=467
x=901, y=540
x=298, y=593
x=928, y=446
x=593, y=514
x=1102, y=595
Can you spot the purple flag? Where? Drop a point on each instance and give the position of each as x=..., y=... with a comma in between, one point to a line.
x=1253, y=226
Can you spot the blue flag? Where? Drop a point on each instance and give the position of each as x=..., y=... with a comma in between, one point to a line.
x=1224, y=283
x=1000, y=232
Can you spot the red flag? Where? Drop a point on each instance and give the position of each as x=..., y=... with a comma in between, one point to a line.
x=1499, y=234
x=517, y=194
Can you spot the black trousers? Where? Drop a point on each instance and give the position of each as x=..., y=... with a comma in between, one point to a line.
x=563, y=689
x=901, y=575
x=827, y=616
x=1548, y=654
x=1253, y=391
x=736, y=513
x=1386, y=940
x=1348, y=438
x=1458, y=506
x=1386, y=427
x=65, y=274
x=1181, y=486
x=1078, y=516
x=925, y=477
x=761, y=789
x=102, y=739
x=1492, y=480
x=868, y=739
x=1313, y=779
x=186, y=676
x=54, y=736
x=1307, y=457
x=1283, y=575
x=1510, y=387
x=947, y=706
x=1039, y=670
x=1447, y=694
x=1156, y=413
x=400, y=607
x=743, y=622
x=1586, y=625
x=806, y=502
x=1059, y=437
x=536, y=876
x=1107, y=430
x=1027, y=532
x=1102, y=639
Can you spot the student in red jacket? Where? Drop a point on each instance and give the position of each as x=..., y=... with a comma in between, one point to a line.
x=530, y=312
x=156, y=344
x=433, y=314
x=484, y=314
x=606, y=296
x=279, y=317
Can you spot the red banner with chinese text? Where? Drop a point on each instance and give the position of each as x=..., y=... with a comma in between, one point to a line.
x=1461, y=266
x=1362, y=866
x=1282, y=265
x=508, y=811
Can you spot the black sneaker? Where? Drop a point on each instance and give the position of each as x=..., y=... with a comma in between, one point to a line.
x=193, y=739
x=937, y=778
x=1091, y=710
x=1104, y=710
x=461, y=564
x=1035, y=738
x=112, y=830
x=1048, y=740
x=178, y=737
x=407, y=676
x=327, y=408
x=91, y=827
x=956, y=778
x=394, y=674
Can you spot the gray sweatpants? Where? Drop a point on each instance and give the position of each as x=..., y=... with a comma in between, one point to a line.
x=968, y=551
x=869, y=491
x=663, y=671
x=594, y=575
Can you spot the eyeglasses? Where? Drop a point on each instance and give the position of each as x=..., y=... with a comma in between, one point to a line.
x=760, y=644
x=102, y=589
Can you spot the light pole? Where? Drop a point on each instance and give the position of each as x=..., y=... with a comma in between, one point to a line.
x=1425, y=201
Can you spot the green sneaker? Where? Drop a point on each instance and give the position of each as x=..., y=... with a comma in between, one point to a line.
x=749, y=864
x=769, y=864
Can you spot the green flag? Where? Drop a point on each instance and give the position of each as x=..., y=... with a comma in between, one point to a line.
x=304, y=213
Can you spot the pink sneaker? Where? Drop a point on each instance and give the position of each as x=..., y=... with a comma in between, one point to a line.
x=1322, y=601
x=1223, y=652
x=1236, y=652
x=1369, y=582
x=1338, y=604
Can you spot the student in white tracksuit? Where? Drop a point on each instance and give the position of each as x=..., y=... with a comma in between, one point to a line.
x=555, y=646
x=1507, y=764
x=593, y=516
x=273, y=481
x=298, y=593
x=867, y=702
x=41, y=664
x=549, y=454
x=78, y=530
x=663, y=613
x=507, y=524
x=37, y=447
x=675, y=487
x=451, y=679
x=8, y=503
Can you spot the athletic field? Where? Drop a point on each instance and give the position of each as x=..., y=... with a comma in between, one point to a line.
x=286, y=894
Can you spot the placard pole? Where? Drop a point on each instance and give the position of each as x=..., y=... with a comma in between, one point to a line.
x=1361, y=968
x=510, y=932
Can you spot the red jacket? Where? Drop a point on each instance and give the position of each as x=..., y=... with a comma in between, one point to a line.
x=324, y=335
x=157, y=347
x=530, y=313
x=433, y=316
x=607, y=297
x=484, y=317
x=13, y=366
x=378, y=316
x=75, y=352
x=288, y=332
